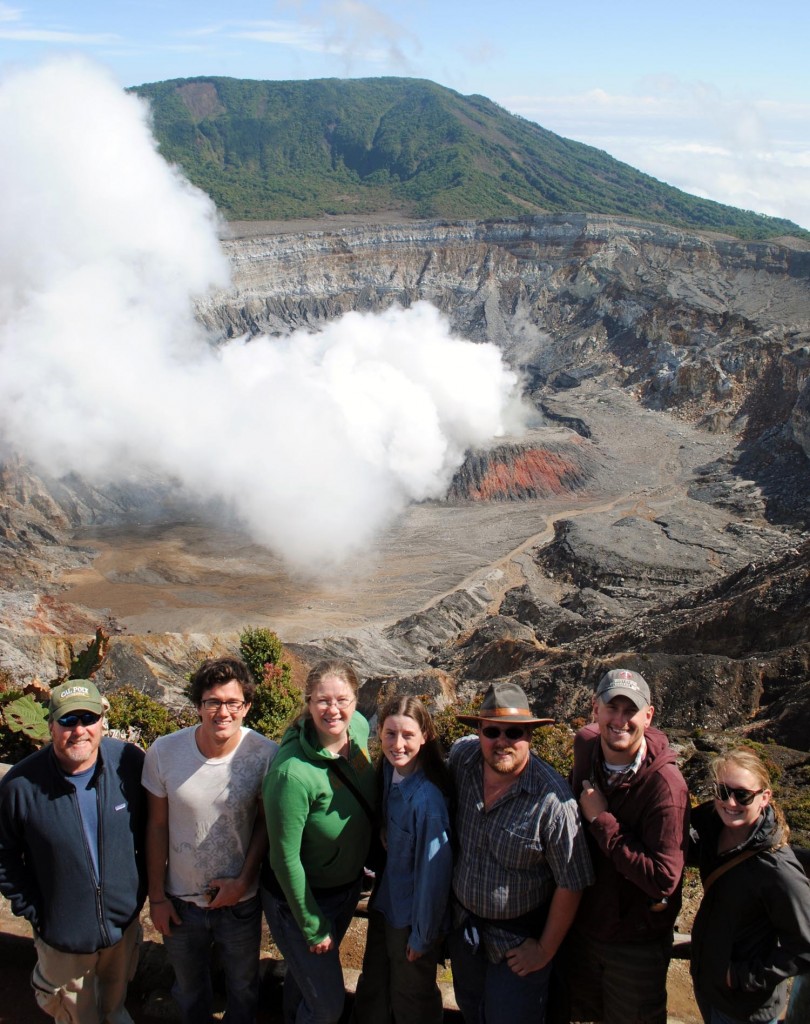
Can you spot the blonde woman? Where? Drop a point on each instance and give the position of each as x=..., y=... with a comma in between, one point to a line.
x=752, y=931
x=319, y=798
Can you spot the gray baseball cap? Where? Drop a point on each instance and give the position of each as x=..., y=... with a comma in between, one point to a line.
x=622, y=682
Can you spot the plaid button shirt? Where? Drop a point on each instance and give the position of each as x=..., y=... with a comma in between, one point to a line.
x=511, y=858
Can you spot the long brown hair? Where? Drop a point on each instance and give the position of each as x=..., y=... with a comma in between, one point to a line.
x=431, y=756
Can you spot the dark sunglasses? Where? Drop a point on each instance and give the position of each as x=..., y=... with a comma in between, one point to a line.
x=74, y=718
x=512, y=732
x=744, y=797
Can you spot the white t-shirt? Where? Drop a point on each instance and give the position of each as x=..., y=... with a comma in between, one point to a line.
x=212, y=807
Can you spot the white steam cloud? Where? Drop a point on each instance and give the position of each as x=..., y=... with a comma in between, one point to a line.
x=315, y=441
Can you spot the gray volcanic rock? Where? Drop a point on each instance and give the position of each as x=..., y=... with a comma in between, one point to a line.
x=636, y=560
x=552, y=623
x=679, y=552
x=712, y=327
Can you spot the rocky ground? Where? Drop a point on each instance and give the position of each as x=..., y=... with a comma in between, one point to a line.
x=150, y=999
x=189, y=576
x=656, y=517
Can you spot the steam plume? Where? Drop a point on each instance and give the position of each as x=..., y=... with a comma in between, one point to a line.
x=315, y=440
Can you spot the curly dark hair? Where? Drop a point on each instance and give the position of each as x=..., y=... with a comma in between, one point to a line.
x=217, y=672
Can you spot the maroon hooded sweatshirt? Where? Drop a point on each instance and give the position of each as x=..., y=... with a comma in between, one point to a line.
x=638, y=844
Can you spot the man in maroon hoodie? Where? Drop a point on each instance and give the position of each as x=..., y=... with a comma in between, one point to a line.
x=635, y=806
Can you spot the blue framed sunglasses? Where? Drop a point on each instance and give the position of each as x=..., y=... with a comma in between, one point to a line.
x=74, y=718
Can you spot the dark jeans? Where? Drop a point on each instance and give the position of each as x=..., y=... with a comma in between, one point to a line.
x=235, y=932
x=616, y=982
x=489, y=993
x=798, y=1009
x=711, y=1015
x=314, y=991
x=391, y=987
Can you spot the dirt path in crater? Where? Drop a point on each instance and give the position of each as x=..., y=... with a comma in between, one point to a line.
x=197, y=577
x=508, y=572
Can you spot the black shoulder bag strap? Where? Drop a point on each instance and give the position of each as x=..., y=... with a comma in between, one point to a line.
x=712, y=878
x=377, y=853
x=335, y=766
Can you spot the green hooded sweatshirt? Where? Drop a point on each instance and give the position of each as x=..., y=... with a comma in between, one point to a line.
x=319, y=833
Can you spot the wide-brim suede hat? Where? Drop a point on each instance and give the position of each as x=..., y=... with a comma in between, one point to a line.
x=505, y=702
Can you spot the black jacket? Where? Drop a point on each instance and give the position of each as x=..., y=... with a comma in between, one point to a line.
x=45, y=865
x=753, y=921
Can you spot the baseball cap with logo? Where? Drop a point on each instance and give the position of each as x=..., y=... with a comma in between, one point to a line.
x=76, y=695
x=622, y=682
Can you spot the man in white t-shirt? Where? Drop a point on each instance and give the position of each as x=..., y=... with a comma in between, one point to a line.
x=205, y=841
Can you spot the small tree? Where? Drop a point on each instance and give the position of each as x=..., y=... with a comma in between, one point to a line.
x=140, y=716
x=276, y=699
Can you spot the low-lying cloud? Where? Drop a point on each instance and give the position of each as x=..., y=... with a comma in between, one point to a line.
x=316, y=441
x=752, y=154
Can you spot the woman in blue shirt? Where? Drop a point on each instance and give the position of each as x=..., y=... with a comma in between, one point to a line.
x=408, y=911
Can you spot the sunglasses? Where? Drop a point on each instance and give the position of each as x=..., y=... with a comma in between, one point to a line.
x=72, y=720
x=512, y=732
x=744, y=797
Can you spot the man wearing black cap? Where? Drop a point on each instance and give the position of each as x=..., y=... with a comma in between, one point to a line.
x=521, y=865
x=72, y=819
x=635, y=805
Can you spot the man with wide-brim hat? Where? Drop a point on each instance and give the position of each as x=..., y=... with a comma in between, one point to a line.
x=521, y=867
x=505, y=702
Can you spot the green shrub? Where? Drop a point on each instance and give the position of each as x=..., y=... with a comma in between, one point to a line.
x=448, y=728
x=796, y=809
x=555, y=744
x=134, y=710
x=23, y=725
x=276, y=700
x=29, y=717
x=259, y=647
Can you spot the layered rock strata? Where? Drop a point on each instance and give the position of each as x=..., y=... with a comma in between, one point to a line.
x=685, y=552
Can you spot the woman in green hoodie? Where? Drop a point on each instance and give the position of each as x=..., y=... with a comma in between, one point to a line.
x=319, y=799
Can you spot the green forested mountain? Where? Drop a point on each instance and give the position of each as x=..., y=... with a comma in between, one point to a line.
x=277, y=150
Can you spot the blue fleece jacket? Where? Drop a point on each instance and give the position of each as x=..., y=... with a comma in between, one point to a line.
x=46, y=870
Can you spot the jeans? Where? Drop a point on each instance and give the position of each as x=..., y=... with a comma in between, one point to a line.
x=721, y=1018
x=799, y=1004
x=489, y=993
x=314, y=990
x=391, y=987
x=235, y=932
x=711, y=1015
x=623, y=982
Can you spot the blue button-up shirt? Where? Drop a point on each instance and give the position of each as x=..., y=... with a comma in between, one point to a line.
x=415, y=885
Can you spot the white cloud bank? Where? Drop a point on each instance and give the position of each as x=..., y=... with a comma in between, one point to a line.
x=752, y=154
x=316, y=441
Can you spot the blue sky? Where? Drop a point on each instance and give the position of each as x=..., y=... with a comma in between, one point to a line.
x=713, y=97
